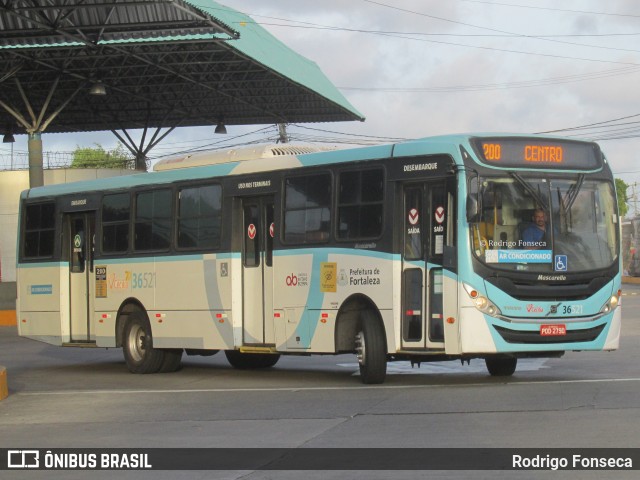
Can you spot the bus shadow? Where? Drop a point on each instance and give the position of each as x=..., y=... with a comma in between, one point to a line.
x=52, y=368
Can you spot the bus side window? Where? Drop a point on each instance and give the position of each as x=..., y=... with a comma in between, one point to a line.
x=115, y=223
x=360, y=204
x=40, y=224
x=307, y=209
x=199, y=221
x=153, y=220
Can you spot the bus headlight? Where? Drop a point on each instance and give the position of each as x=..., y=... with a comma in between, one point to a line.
x=481, y=302
x=612, y=303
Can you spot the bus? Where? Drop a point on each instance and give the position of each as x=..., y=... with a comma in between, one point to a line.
x=414, y=251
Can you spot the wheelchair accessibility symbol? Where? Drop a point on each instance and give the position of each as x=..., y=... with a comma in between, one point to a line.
x=561, y=263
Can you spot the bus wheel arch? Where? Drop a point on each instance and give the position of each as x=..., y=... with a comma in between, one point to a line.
x=136, y=338
x=128, y=307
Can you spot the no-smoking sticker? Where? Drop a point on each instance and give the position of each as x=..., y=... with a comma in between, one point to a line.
x=413, y=216
x=251, y=231
x=439, y=214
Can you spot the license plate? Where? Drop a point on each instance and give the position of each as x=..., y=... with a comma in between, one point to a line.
x=553, y=330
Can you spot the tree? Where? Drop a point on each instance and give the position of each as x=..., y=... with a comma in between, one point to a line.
x=98, y=157
x=621, y=192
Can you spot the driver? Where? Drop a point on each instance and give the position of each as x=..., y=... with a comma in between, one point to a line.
x=535, y=235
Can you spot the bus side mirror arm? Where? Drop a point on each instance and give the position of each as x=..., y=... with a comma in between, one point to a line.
x=472, y=208
x=450, y=258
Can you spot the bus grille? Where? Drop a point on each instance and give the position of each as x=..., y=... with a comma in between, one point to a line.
x=549, y=291
x=572, y=336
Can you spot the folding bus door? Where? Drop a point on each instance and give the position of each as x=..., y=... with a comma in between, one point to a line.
x=424, y=210
x=80, y=228
x=257, y=270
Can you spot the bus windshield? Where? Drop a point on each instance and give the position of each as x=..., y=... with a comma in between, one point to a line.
x=544, y=224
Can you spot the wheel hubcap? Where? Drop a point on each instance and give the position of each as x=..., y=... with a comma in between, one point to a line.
x=137, y=340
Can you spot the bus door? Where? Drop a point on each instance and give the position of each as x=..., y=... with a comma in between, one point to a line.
x=80, y=228
x=425, y=208
x=257, y=268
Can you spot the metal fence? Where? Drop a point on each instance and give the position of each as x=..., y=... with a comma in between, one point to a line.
x=52, y=160
x=20, y=160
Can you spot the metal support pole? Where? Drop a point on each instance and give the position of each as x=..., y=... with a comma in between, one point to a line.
x=36, y=173
x=141, y=161
x=282, y=133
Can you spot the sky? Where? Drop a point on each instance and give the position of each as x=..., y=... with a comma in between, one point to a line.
x=417, y=68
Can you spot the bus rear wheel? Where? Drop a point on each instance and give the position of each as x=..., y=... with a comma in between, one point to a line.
x=172, y=361
x=501, y=365
x=371, y=349
x=137, y=345
x=250, y=361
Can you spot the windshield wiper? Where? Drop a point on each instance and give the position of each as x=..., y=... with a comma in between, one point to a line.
x=567, y=202
x=532, y=191
x=573, y=191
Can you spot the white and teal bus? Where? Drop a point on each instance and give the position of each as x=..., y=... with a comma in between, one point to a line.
x=413, y=251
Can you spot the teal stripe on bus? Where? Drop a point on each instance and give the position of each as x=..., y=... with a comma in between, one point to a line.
x=337, y=251
x=342, y=156
x=130, y=181
x=43, y=265
x=169, y=258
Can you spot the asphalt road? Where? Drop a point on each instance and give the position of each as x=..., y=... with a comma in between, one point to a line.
x=72, y=398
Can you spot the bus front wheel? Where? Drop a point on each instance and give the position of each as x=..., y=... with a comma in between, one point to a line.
x=371, y=349
x=501, y=366
x=137, y=345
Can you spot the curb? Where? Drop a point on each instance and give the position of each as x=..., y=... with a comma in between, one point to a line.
x=634, y=280
x=4, y=390
x=8, y=318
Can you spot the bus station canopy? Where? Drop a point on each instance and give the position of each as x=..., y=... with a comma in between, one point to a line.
x=91, y=65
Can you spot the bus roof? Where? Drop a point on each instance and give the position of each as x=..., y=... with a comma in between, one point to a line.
x=255, y=159
x=215, y=157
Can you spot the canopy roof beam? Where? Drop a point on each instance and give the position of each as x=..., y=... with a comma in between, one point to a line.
x=164, y=63
x=139, y=151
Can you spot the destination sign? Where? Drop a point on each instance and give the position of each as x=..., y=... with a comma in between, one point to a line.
x=538, y=153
